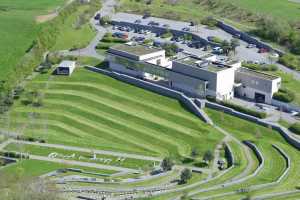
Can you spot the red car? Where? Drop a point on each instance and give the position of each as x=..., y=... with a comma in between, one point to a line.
x=263, y=50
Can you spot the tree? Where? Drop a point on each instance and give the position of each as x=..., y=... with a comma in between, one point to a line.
x=234, y=43
x=167, y=164
x=105, y=20
x=185, y=175
x=226, y=47
x=195, y=152
x=208, y=156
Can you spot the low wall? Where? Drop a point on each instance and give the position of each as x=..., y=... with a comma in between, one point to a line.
x=157, y=89
x=285, y=106
x=283, y=131
x=229, y=155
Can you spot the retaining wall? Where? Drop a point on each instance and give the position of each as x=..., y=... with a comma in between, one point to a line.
x=157, y=89
x=287, y=135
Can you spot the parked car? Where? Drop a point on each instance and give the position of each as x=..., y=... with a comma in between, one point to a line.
x=120, y=35
x=138, y=21
x=263, y=50
x=237, y=35
x=186, y=29
x=140, y=39
x=210, y=38
x=166, y=26
x=147, y=15
x=153, y=23
x=146, y=32
x=250, y=46
x=192, y=23
x=97, y=16
x=217, y=50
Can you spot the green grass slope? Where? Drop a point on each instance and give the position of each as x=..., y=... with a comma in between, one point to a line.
x=93, y=110
x=19, y=29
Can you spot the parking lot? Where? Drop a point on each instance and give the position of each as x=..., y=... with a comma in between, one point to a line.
x=242, y=52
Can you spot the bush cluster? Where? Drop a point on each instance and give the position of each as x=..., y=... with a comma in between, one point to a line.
x=290, y=61
x=11, y=154
x=247, y=111
x=295, y=128
x=284, y=95
x=30, y=139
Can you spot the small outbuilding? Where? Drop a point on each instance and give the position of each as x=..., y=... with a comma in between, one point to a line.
x=66, y=67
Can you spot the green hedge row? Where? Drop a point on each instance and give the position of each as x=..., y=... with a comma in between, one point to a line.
x=295, y=128
x=284, y=95
x=248, y=111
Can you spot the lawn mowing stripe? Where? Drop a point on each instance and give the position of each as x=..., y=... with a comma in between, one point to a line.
x=121, y=94
x=160, y=127
x=142, y=131
x=97, y=132
x=60, y=132
x=128, y=108
x=109, y=97
x=101, y=129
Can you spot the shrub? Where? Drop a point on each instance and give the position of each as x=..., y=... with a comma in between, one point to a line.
x=290, y=61
x=260, y=67
x=295, y=128
x=247, y=111
x=284, y=95
x=102, y=46
x=209, y=21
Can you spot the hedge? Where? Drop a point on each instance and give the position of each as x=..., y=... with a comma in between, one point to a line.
x=290, y=61
x=284, y=95
x=260, y=67
x=11, y=154
x=248, y=111
x=295, y=128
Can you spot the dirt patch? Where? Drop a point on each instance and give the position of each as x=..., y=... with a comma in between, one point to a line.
x=45, y=18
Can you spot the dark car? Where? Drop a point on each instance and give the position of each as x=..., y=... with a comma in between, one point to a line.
x=147, y=15
x=97, y=16
x=138, y=21
x=153, y=23
x=186, y=29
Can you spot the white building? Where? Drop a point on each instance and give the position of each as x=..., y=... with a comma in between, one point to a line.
x=66, y=67
x=195, y=76
x=256, y=85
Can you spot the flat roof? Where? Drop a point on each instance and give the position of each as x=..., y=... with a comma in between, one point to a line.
x=258, y=74
x=67, y=63
x=135, y=49
x=196, y=62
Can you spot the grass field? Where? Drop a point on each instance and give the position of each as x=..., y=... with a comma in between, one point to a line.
x=93, y=110
x=19, y=29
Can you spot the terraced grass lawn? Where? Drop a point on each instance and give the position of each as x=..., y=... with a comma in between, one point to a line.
x=19, y=28
x=80, y=156
x=92, y=110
